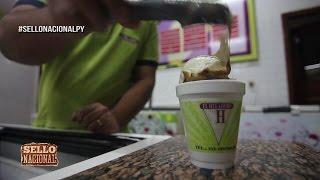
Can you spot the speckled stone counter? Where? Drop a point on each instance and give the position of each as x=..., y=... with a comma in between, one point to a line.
x=170, y=160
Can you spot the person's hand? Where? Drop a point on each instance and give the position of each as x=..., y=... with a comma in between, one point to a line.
x=97, y=118
x=91, y=13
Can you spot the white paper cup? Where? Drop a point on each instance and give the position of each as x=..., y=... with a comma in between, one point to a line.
x=211, y=111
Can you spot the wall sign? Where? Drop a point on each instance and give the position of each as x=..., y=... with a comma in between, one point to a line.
x=177, y=45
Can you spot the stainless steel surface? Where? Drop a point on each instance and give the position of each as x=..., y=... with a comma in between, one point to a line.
x=75, y=148
x=12, y=170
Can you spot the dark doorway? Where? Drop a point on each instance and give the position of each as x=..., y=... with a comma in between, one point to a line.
x=302, y=41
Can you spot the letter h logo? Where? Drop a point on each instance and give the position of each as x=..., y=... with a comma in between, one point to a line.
x=220, y=116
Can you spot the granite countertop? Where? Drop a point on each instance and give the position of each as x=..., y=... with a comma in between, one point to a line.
x=169, y=159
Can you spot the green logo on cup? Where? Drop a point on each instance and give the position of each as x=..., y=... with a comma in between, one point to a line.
x=212, y=125
x=218, y=115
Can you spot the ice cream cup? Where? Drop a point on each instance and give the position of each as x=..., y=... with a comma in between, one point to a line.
x=211, y=111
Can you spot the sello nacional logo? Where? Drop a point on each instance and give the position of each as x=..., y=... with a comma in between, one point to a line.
x=39, y=154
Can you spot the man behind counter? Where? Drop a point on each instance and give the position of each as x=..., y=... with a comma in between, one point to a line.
x=96, y=80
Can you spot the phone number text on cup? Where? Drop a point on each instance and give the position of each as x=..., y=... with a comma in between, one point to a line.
x=210, y=148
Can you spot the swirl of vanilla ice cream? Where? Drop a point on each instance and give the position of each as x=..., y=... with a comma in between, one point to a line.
x=208, y=67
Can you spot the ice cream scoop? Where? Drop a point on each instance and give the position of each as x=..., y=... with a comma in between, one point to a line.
x=208, y=67
x=185, y=11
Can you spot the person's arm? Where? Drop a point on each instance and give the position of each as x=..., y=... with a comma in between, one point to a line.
x=99, y=118
x=31, y=48
x=39, y=48
x=137, y=96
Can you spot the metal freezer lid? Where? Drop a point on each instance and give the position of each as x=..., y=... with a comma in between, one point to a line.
x=142, y=141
